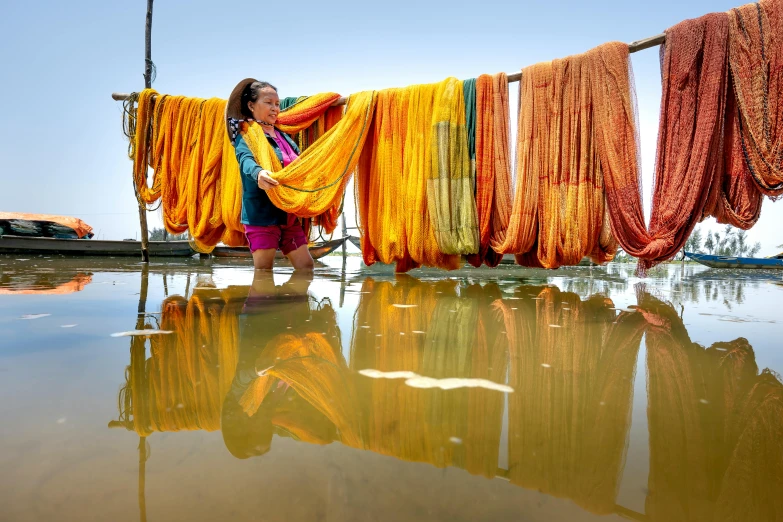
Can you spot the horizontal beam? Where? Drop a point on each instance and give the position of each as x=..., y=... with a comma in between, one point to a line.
x=633, y=47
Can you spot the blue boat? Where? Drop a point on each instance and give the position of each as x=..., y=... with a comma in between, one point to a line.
x=773, y=263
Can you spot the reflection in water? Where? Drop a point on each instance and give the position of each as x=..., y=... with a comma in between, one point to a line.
x=715, y=426
x=42, y=282
x=572, y=365
x=261, y=361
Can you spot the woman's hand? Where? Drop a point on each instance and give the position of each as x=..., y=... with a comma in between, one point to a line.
x=265, y=181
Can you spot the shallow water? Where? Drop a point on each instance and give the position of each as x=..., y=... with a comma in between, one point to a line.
x=509, y=394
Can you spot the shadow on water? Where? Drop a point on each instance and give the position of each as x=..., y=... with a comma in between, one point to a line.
x=264, y=362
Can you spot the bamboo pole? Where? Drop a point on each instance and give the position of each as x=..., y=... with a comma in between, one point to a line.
x=145, y=245
x=633, y=47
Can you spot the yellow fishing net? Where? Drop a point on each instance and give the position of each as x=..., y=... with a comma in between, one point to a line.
x=414, y=160
x=380, y=187
x=316, y=181
x=196, y=174
x=451, y=183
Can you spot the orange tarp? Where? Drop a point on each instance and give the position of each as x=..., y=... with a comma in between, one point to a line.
x=81, y=228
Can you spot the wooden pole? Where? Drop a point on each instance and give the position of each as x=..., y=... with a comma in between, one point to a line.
x=138, y=345
x=145, y=252
x=345, y=235
x=633, y=47
x=142, y=476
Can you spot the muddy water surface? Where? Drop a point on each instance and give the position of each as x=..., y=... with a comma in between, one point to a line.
x=193, y=390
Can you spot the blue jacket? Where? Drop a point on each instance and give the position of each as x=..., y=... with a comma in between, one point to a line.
x=257, y=209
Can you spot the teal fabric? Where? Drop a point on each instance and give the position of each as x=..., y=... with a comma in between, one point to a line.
x=257, y=209
x=285, y=103
x=469, y=91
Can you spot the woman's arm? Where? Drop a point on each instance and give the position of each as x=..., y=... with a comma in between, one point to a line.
x=249, y=168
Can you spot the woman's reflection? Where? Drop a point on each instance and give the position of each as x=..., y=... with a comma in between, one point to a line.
x=289, y=361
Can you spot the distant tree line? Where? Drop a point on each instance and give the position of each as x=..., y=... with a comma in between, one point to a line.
x=158, y=234
x=732, y=242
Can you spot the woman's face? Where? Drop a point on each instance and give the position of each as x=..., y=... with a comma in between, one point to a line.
x=266, y=108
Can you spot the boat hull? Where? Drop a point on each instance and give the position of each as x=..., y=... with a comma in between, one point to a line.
x=90, y=247
x=736, y=262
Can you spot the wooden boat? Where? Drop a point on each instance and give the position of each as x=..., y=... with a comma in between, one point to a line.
x=774, y=263
x=43, y=225
x=91, y=247
x=317, y=250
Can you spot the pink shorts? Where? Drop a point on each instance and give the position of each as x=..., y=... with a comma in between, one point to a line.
x=286, y=237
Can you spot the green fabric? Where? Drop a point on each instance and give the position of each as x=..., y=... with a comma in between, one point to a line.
x=285, y=103
x=469, y=90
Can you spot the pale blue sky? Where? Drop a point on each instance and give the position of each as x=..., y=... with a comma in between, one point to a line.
x=60, y=134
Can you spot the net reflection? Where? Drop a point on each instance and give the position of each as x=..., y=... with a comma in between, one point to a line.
x=572, y=369
x=182, y=384
x=715, y=424
x=439, y=331
x=264, y=361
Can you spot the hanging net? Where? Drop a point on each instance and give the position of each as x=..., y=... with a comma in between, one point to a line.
x=756, y=60
x=689, y=161
x=559, y=213
x=401, y=179
x=315, y=182
x=493, y=166
x=196, y=174
x=450, y=186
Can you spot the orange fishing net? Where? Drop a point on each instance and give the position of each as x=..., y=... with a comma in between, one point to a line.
x=381, y=192
x=735, y=198
x=756, y=60
x=559, y=211
x=721, y=140
x=307, y=111
x=690, y=138
x=493, y=166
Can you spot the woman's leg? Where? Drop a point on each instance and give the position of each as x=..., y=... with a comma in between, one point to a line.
x=264, y=258
x=301, y=258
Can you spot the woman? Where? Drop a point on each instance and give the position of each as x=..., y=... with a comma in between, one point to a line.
x=267, y=227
